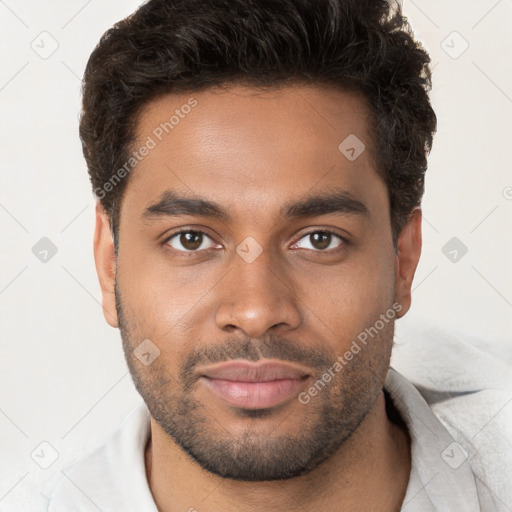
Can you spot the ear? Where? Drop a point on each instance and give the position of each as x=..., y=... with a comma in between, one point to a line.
x=105, y=259
x=407, y=257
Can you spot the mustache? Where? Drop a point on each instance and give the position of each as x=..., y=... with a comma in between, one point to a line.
x=275, y=347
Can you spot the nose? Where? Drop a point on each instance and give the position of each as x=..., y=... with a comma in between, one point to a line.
x=257, y=297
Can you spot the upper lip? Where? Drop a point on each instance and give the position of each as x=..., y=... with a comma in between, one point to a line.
x=248, y=371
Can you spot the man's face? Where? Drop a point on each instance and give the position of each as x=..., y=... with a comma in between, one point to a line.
x=262, y=282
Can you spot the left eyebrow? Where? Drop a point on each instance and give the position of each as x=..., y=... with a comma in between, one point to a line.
x=341, y=202
x=334, y=201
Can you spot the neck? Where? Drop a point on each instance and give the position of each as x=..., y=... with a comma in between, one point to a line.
x=370, y=471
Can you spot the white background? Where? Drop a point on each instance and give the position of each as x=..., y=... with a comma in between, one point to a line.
x=63, y=378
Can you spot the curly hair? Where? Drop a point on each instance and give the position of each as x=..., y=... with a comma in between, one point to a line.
x=175, y=46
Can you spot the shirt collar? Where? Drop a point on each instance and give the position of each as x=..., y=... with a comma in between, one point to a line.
x=441, y=477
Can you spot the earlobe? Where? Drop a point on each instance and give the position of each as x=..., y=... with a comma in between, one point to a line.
x=105, y=259
x=407, y=258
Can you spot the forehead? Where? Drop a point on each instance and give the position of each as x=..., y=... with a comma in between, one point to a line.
x=245, y=148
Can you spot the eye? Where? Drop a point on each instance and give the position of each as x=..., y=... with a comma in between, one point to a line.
x=189, y=241
x=320, y=241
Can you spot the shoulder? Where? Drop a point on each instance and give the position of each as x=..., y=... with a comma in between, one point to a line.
x=467, y=383
x=113, y=476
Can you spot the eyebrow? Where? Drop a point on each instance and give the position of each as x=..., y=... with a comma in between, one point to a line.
x=171, y=204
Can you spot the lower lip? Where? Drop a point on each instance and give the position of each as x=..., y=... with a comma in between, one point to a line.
x=255, y=395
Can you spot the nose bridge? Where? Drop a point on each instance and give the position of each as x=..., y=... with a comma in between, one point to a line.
x=256, y=298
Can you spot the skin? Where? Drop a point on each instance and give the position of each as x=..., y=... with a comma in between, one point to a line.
x=252, y=153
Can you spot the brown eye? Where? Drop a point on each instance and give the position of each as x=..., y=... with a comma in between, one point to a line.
x=320, y=241
x=189, y=241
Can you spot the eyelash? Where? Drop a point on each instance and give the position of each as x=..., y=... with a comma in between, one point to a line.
x=187, y=254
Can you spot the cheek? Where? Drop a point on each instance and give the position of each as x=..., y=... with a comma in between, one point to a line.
x=348, y=298
x=161, y=301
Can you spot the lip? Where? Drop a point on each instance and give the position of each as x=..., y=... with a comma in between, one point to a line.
x=254, y=385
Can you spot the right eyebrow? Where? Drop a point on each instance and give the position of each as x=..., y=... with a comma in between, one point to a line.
x=172, y=204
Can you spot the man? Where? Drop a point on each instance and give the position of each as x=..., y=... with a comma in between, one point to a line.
x=259, y=167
